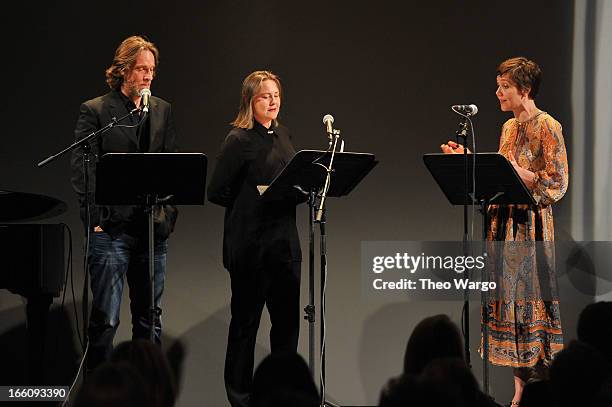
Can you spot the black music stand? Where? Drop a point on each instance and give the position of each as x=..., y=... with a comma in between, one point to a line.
x=151, y=179
x=306, y=173
x=497, y=182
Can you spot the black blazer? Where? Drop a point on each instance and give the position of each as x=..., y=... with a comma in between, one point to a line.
x=95, y=114
x=257, y=231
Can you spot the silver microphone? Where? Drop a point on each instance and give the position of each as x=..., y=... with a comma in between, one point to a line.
x=145, y=94
x=328, y=120
x=469, y=110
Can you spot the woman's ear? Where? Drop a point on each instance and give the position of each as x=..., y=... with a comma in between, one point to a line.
x=526, y=92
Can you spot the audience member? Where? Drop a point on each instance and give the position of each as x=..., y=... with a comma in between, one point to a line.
x=577, y=375
x=456, y=371
x=151, y=363
x=435, y=371
x=434, y=337
x=114, y=385
x=537, y=394
x=595, y=327
x=283, y=379
x=408, y=390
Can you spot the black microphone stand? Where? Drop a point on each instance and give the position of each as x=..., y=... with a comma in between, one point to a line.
x=321, y=219
x=461, y=136
x=84, y=143
x=154, y=312
x=310, y=308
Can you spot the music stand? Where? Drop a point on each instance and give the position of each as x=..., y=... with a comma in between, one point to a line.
x=497, y=182
x=151, y=179
x=306, y=173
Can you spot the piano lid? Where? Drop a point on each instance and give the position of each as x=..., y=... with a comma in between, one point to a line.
x=24, y=206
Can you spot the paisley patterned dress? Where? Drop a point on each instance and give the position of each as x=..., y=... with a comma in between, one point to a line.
x=523, y=320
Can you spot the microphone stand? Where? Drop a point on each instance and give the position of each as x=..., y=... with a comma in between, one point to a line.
x=310, y=308
x=154, y=312
x=321, y=220
x=84, y=143
x=87, y=139
x=462, y=133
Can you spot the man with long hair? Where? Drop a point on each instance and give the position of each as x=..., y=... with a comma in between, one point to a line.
x=118, y=234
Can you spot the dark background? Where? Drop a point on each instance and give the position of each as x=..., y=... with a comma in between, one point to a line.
x=388, y=71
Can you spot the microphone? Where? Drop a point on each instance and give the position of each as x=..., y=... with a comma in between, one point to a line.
x=328, y=119
x=145, y=94
x=469, y=110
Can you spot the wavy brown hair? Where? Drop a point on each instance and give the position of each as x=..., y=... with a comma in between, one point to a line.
x=250, y=88
x=524, y=73
x=125, y=57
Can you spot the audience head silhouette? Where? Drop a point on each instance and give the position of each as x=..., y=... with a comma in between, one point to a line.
x=434, y=337
x=283, y=379
x=151, y=363
x=595, y=327
x=577, y=374
x=114, y=385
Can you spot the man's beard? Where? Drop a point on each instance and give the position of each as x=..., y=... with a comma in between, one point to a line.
x=132, y=89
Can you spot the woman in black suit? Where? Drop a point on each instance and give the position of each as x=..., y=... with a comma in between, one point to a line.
x=261, y=247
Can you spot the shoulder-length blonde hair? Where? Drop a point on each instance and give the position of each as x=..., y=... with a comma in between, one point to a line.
x=125, y=58
x=250, y=88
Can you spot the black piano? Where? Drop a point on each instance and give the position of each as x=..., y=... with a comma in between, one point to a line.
x=32, y=262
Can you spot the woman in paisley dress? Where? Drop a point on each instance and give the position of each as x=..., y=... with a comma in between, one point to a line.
x=523, y=321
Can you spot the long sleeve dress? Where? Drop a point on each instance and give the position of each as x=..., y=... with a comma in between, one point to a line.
x=523, y=320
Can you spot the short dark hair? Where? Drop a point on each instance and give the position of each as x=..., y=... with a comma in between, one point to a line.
x=526, y=74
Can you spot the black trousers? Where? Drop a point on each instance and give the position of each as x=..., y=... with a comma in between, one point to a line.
x=277, y=285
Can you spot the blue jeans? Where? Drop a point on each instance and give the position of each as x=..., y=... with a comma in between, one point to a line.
x=111, y=262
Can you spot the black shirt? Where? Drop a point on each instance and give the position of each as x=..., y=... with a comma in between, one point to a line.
x=143, y=130
x=155, y=135
x=256, y=230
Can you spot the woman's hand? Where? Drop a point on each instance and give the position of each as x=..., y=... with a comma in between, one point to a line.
x=453, y=148
x=527, y=176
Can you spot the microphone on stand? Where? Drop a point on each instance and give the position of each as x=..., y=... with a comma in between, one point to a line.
x=469, y=110
x=145, y=94
x=328, y=120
